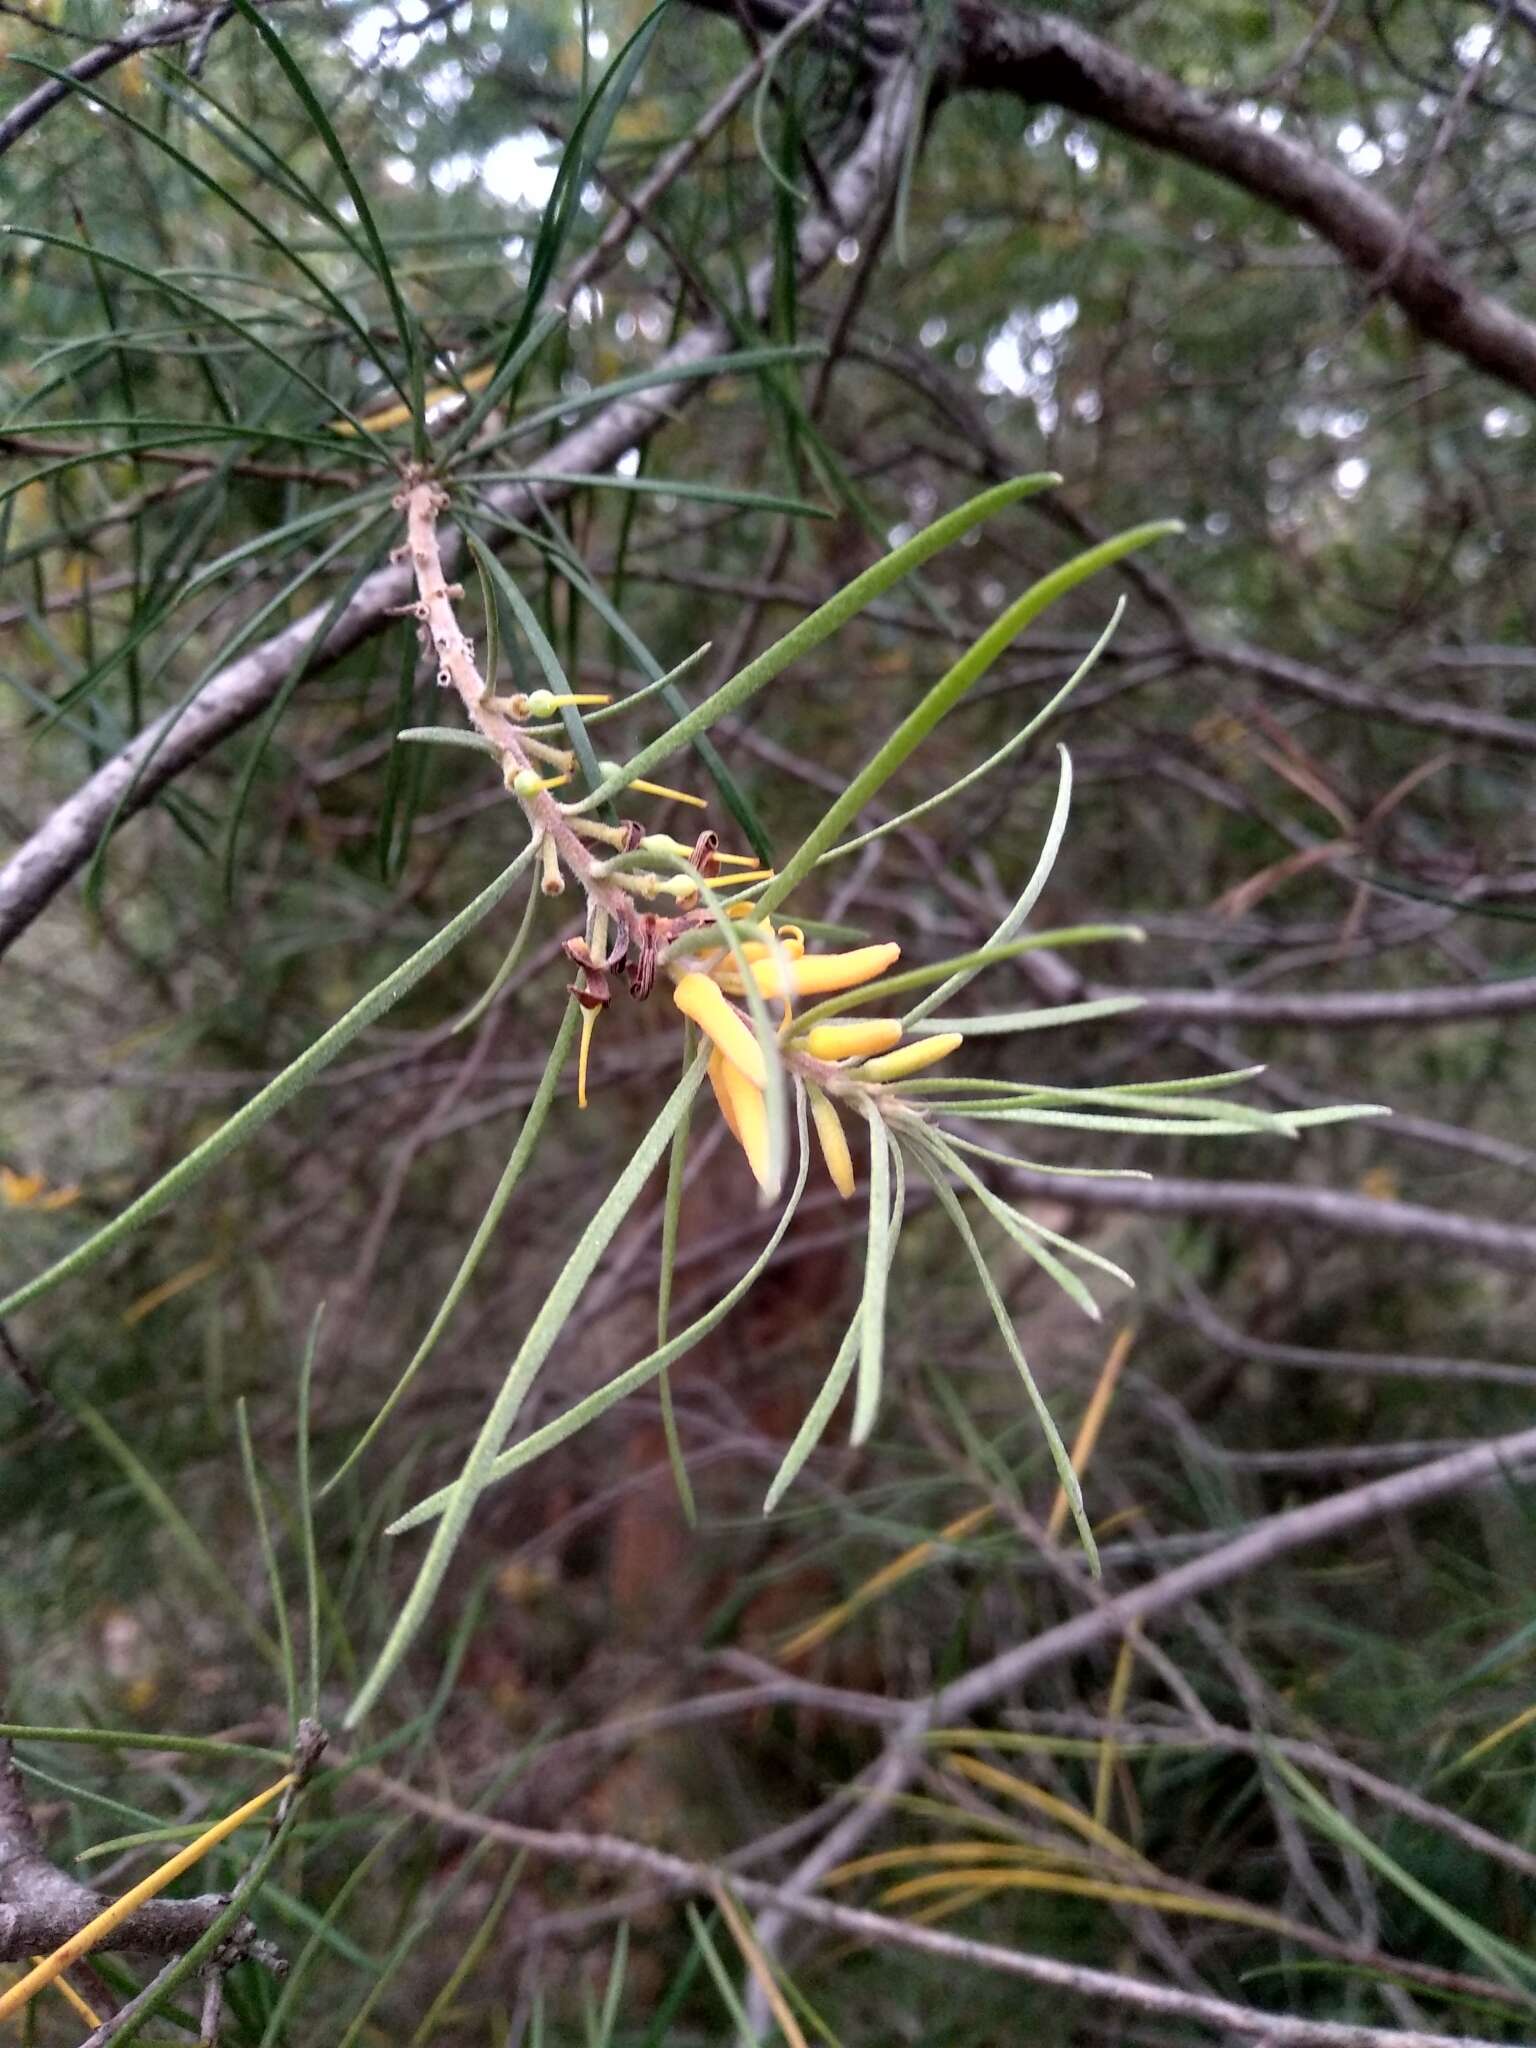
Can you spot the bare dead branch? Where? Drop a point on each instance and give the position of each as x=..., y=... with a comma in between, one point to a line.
x=178, y=26
x=1106, y=1623
x=1368, y=1007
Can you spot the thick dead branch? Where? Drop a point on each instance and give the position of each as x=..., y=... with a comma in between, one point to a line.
x=181, y=24
x=1045, y=59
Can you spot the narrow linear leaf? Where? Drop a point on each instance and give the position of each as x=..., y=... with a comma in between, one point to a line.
x=405, y=324
x=818, y=1415
x=671, y=1223
x=198, y=1557
x=1055, y=831
x=947, y=693
x=879, y=1250
x=635, y=1376
x=543, y=653
x=522, y=1151
x=446, y=736
x=207, y=309
x=268, y=1550
x=1019, y=1230
x=996, y=1023
x=1058, y=1450
x=1508, y=1963
x=826, y=619
x=265, y=1105
x=995, y=760
x=508, y=966
x=281, y=243
x=535, y=1348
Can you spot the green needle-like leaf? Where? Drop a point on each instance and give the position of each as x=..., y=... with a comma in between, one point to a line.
x=947, y=693
x=535, y=1348
x=262, y=1107
x=636, y=1376
x=522, y=1151
x=999, y=1308
x=826, y=619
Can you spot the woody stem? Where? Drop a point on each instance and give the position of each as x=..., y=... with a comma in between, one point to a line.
x=421, y=501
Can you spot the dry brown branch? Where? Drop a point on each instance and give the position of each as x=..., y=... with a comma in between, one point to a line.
x=179, y=26
x=1045, y=59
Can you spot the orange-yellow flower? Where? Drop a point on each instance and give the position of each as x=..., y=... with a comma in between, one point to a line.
x=747, y=1118
x=703, y=1003
x=31, y=1191
x=716, y=1072
x=702, y=991
x=823, y=974
x=852, y=1038
x=834, y=1141
x=911, y=1059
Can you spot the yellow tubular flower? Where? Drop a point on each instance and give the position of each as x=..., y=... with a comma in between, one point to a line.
x=716, y=1071
x=823, y=974
x=834, y=1142
x=748, y=1119
x=911, y=1059
x=588, y=1021
x=852, y=1039
x=704, y=1004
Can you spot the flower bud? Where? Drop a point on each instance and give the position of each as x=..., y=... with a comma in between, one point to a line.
x=911, y=1059
x=852, y=1038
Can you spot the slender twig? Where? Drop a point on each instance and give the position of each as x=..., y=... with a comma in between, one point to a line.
x=680, y=1875
x=199, y=22
x=1084, y=1633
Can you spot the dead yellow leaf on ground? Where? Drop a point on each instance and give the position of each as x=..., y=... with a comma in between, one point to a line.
x=31, y=1191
